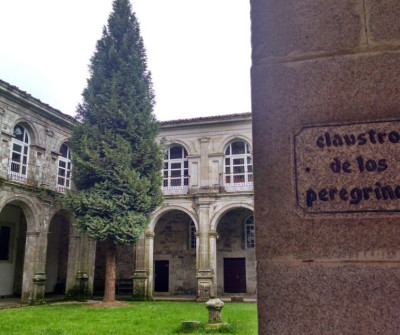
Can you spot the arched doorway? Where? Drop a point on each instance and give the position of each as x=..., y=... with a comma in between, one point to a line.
x=175, y=255
x=13, y=228
x=57, y=253
x=235, y=253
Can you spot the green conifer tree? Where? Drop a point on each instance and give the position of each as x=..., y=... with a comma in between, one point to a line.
x=116, y=160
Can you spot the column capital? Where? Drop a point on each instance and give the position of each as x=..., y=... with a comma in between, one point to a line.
x=149, y=235
x=32, y=233
x=213, y=233
x=204, y=139
x=203, y=203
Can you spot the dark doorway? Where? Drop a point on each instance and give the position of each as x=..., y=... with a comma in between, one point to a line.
x=234, y=275
x=57, y=255
x=161, y=278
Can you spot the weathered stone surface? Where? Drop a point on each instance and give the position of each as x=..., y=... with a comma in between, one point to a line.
x=214, y=307
x=315, y=298
x=327, y=268
x=348, y=168
x=383, y=20
x=289, y=27
x=320, y=92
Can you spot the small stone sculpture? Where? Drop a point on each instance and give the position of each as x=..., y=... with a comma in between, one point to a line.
x=214, y=307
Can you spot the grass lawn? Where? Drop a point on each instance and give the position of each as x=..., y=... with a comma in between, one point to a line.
x=138, y=318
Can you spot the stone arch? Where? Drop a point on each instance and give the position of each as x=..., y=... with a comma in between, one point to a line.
x=28, y=208
x=30, y=128
x=21, y=216
x=177, y=142
x=59, y=210
x=220, y=213
x=233, y=138
x=63, y=140
x=159, y=213
x=173, y=251
x=235, y=258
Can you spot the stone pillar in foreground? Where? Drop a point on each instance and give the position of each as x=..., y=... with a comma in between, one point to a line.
x=74, y=254
x=326, y=136
x=143, y=273
x=205, y=275
x=30, y=265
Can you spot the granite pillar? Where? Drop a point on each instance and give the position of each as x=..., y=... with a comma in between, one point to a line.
x=30, y=265
x=213, y=235
x=73, y=260
x=87, y=261
x=143, y=273
x=205, y=287
x=326, y=103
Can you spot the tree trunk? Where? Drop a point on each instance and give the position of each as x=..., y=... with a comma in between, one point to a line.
x=109, y=287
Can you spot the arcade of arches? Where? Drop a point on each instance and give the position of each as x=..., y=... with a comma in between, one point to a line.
x=200, y=242
x=167, y=261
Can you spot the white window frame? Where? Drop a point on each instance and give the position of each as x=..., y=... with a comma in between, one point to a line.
x=18, y=167
x=238, y=168
x=175, y=171
x=249, y=227
x=64, y=168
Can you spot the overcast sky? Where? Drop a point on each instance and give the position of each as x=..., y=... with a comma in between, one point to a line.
x=198, y=51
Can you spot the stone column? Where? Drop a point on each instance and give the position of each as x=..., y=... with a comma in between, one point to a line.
x=142, y=284
x=149, y=263
x=213, y=257
x=30, y=265
x=204, y=276
x=326, y=73
x=74, y=257
x=87, y=262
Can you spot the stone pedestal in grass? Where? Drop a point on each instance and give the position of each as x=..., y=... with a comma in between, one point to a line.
x=214, y=307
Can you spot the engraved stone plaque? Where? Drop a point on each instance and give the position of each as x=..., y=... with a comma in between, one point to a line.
x=348, y=168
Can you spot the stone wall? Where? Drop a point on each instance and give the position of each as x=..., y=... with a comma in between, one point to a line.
x=321, y=67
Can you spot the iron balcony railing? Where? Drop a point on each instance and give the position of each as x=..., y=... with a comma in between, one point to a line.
x=61, y=189
x=14, y=174
x=237, y=182
x=175, y=185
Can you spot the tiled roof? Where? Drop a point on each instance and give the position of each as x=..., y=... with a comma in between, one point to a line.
x=32, y=99
x=206, y=118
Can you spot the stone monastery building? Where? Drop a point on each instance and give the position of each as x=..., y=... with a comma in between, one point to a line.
x=200, y=242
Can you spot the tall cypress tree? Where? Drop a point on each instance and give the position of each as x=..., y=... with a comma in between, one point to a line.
x=116, y=160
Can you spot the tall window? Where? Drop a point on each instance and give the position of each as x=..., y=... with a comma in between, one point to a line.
x=64, y=169
x=249, y=229
x=192, y=231
x=18, y=169
x=238, y=163
x=176, y=171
